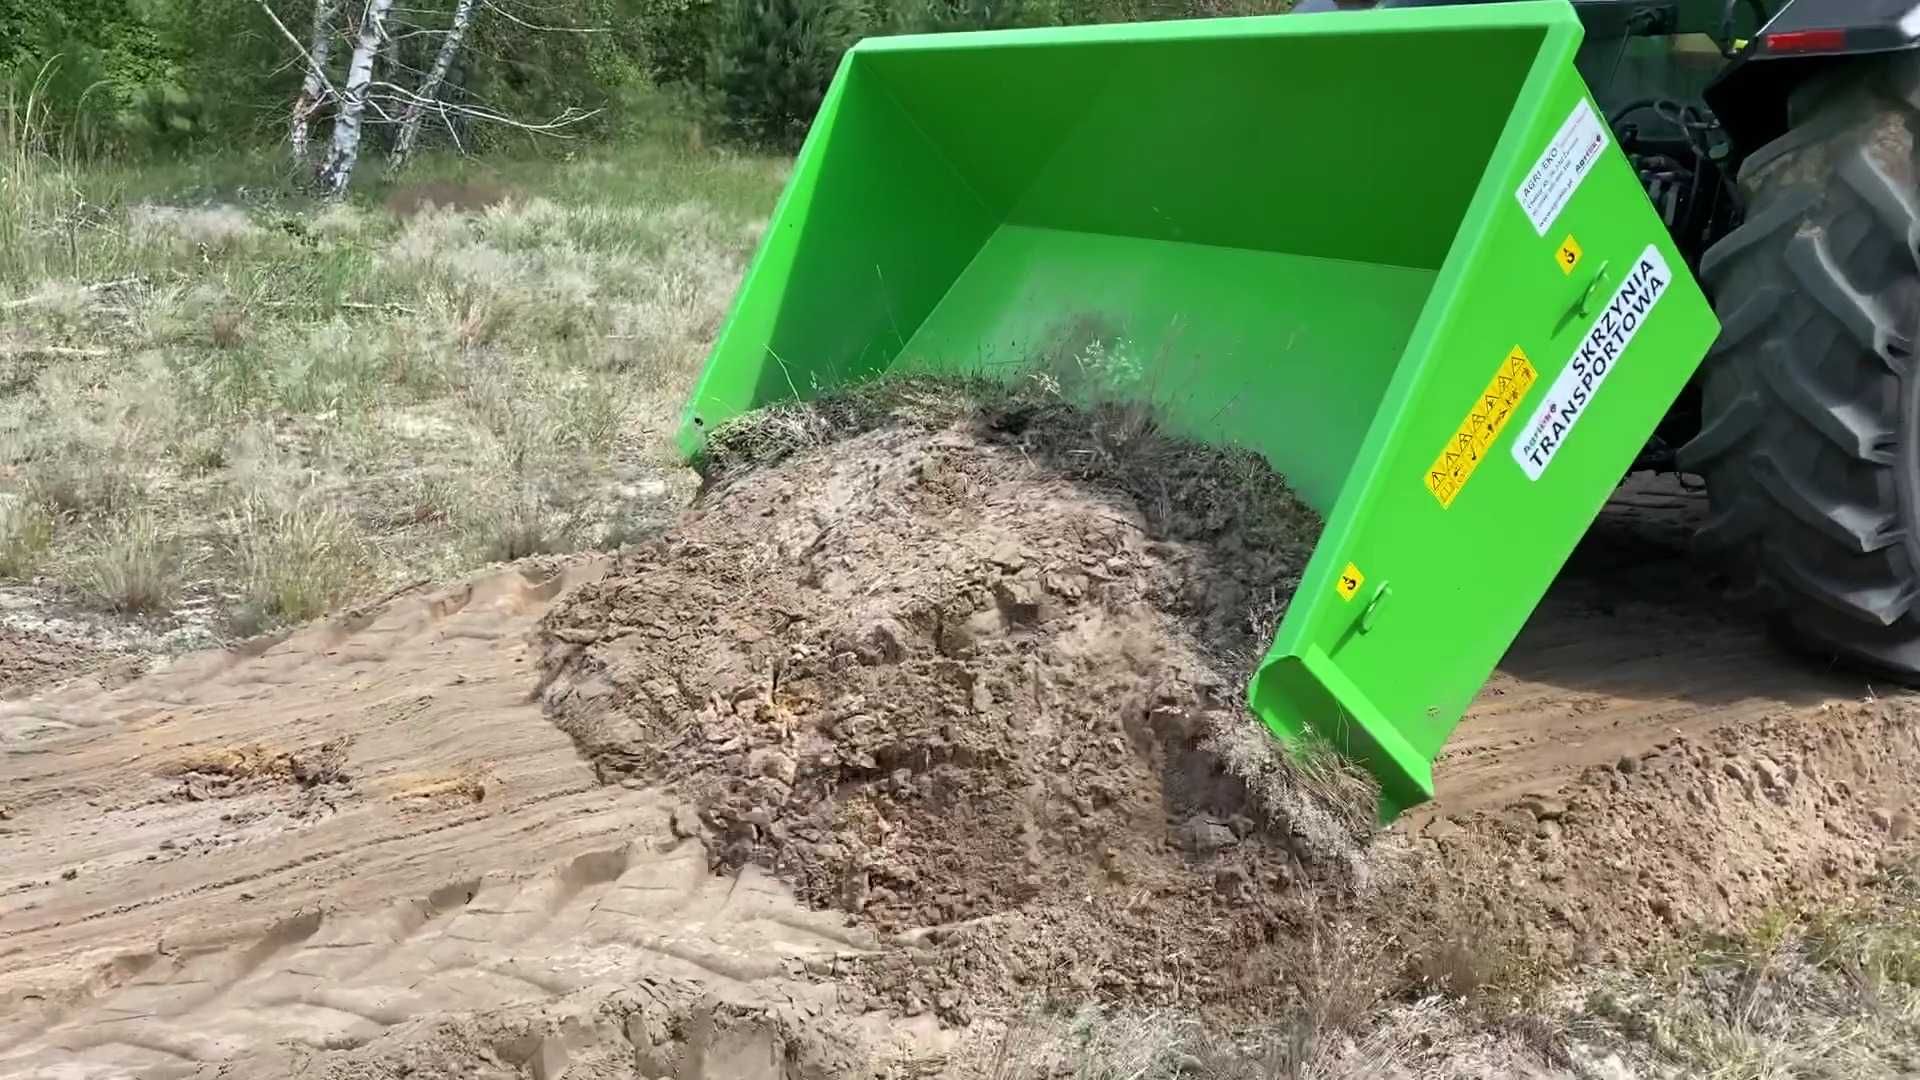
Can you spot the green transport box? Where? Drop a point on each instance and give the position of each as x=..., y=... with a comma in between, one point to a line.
x=1397, y=253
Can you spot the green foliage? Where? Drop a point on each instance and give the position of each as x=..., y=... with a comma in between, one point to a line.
x=772, y=60
x=676, y=37
x=943, y=16
x=144, y=74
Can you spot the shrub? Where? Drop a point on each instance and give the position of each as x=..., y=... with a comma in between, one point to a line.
x=132, y=564
x=772, y=60
x=300, y=557
x=26, y=531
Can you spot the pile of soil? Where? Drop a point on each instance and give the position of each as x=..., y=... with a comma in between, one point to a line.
x=962, y=680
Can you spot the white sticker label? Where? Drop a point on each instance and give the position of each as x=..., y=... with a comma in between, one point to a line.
x=1565, y=163
x=1599, y=353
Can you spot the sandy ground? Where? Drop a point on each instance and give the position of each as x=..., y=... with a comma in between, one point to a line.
x=330, y=844
x=1633, y=646
x=364, y=850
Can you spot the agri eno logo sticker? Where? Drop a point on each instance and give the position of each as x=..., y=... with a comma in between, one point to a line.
x=1572, y=393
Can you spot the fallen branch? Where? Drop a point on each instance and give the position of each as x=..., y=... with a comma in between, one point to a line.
x=400, y=94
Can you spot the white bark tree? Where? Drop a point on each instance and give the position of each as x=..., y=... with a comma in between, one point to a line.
x=314, y=89
x=368, y=90
x=427, y=96
x=343, y=153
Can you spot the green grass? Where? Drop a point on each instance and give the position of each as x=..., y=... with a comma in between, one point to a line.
x=203, y=367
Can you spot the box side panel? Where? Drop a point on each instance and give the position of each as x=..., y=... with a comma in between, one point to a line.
x=1562, y=327
x=874, y=227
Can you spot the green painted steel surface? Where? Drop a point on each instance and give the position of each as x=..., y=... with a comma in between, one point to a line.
x=1309, y=231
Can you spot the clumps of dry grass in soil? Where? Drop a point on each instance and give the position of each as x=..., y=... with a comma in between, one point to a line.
x=1831, y=993
x=976, y=674
x=1826, y=994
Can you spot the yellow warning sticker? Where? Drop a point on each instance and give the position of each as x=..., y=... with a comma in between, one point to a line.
x=1569, y=254
x=1349, y=582
x=1476, y=434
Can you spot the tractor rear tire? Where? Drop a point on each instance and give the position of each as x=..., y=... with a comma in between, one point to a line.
x=1810, y=432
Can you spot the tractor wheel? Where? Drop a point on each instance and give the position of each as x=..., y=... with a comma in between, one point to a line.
x=1810, y=432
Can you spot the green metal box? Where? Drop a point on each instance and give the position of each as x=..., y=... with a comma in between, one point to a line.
x=1397, y=253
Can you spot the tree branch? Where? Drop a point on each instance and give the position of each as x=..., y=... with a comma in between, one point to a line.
x=520, y=22
x=299, y=48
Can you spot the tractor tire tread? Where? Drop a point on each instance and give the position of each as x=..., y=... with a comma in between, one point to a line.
x=1809, y=409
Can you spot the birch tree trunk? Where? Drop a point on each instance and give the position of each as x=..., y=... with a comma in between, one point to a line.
x=310, y=100
x=344, y=152
x=427, y=95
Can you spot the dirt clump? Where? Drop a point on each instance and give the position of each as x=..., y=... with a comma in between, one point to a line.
x=30, y=662
x=960, y=680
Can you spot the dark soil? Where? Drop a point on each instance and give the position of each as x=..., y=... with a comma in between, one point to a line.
x=957, y=678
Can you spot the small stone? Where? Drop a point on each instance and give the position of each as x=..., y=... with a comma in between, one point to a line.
x=1733, y=772
x=685, y=822
x=1009, y=556
x=1019, y=599
x=773, y=763
x=982, y=697
x=1442, y=829
x=884, y=642
x=957, y=640
x=69, y=874
x=1204, y=835
x=1066, y=586
x=1768, y=772
x=1880, y=818
x=854, y=893
x=1547, y=830
x=1544, y=807
x=1628, y=764
x=1231, y=882
x=1242, y=825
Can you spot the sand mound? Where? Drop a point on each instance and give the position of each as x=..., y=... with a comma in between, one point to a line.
x=940, y=679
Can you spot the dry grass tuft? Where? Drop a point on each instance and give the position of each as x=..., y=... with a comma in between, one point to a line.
x=299, y=557
x=26, y=533
x=199, y=230
x=1306, y=788
x=1828, y=994
x=227, y=328
x=132, y=563
x=1428, y=1039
